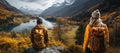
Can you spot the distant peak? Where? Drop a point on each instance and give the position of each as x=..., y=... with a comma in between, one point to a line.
x=70, y=2
x=65, y=3
x=57, y=4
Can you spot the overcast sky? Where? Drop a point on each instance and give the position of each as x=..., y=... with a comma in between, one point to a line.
x=34, y=4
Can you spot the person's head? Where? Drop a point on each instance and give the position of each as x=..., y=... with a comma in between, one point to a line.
x=96, y=14
x=95, y=18
x=39, y=21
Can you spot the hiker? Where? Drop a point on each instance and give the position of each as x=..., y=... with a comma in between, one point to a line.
x=39, y=36
x=96, y=37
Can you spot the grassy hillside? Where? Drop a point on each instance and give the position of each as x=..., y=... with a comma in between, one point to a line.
x=17, y=42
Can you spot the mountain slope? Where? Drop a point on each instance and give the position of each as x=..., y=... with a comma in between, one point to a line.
x=70, y=10
x=6, y=10
x=28, y=11
x=8, y=6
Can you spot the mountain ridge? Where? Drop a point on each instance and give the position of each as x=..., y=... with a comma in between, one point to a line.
x=7, y=10
x=76, y=7
x=8, y=6
x=28, y=11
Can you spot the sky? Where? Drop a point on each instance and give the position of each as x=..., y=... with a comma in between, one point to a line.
x=34, y=4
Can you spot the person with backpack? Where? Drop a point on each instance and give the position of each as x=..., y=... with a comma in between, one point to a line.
x=96, y=37
x=39, y=36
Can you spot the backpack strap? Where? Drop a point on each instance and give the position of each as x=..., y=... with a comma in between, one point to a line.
x=45, y=35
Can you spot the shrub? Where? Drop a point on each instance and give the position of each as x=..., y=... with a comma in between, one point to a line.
x=6, y=42
x=14, y=44
x=56, y=43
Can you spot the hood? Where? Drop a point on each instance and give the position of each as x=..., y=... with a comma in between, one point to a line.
x=94, y=22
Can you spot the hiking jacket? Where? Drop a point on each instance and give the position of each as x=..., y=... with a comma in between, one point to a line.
x=89, y=32
x=39, y=36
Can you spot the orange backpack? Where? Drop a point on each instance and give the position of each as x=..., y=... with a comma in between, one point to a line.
x=96, y=39
x=38, y=38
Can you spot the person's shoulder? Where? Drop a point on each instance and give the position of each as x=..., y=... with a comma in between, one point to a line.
x=33, y=29
x=104, y=25
x=88, y=25
x=45, y=29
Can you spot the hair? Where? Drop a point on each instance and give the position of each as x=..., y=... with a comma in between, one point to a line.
x=39, y=21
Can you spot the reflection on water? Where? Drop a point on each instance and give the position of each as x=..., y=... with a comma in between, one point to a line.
x=29, y=25
x=7, y=28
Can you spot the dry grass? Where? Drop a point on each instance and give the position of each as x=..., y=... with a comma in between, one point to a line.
x=20, y=20
x=9, y=43
x=69, y=37
x=18, y=42
x=56, y=43
x=107, y=15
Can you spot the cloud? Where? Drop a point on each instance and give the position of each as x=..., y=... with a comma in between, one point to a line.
x=44, y=3
x=34, y=4
x=36, y=1
x=41, y=2
x=29, y=0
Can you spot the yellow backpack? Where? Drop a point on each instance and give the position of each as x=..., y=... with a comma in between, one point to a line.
x=39, y=38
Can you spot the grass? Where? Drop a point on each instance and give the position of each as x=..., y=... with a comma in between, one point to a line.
x=10, y=43
x=17, y=42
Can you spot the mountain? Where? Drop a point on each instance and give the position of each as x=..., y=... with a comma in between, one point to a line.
x=70, y=10
x=6, y=9
x=28, y=11
x=57, y=7
x=104, y=7
x=8, y=6
x=54, y=8
x=81, y=10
